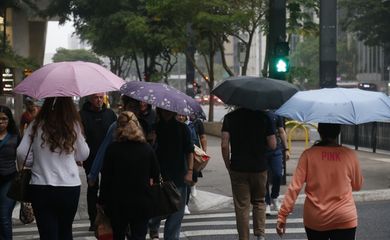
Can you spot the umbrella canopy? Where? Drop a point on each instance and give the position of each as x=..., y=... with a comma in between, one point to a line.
x=337, y=105
x=255, y=93
x=67, y=79
x=163, y=96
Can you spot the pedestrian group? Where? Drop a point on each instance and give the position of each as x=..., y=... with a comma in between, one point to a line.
x=124, y=155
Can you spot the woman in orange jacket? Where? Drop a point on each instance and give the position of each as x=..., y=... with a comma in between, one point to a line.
x=331, y=172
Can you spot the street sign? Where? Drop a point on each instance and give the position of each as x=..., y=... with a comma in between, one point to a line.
x=7, y=80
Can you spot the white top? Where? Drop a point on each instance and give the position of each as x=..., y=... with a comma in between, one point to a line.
x=52, y=168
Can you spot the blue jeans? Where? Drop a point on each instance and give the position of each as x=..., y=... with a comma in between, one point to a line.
x=54, y=210
x=173, y=222
x=275, y=168
x=6, y=207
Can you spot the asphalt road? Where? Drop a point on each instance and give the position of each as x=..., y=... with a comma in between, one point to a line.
x=373, y=225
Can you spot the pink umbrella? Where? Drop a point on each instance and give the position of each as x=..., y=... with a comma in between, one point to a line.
x=67, y=79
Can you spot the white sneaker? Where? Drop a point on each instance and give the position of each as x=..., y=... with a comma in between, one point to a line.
x=193, y=191
x=186, y=210
x=275, y=204
x=268, y=210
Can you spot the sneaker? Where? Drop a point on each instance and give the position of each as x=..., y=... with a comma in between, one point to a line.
x=186, y=210
x=260, y=238
x=193, y=191
x=268, y=210
x=275, y=204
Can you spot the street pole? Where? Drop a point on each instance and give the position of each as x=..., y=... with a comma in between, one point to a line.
x=277, y=33
x=328, y=40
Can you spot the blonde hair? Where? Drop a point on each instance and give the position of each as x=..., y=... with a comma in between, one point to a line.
x=129, y=128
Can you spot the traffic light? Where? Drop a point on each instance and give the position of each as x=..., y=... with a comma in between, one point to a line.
x=281, y=62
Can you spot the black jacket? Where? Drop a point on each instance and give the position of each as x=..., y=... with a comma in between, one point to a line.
x=95, y=126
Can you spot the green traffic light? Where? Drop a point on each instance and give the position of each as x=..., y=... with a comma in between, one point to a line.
x=282, y=66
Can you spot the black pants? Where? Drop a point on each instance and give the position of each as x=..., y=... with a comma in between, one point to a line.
x=137, y=229
x=92, y=198
x=336, y=234
x=54, y=210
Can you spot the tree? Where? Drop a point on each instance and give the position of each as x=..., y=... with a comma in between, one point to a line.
x=209, y=21
x=123, y=31
x=368, y=19
x=305, y=63
x=250, y=16
x=63, y=54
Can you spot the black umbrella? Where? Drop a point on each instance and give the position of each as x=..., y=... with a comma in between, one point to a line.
x=255, y=93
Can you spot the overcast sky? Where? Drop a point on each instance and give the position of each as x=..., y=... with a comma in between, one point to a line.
x=57, y=36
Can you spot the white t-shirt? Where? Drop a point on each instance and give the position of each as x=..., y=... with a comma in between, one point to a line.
x=52, y=168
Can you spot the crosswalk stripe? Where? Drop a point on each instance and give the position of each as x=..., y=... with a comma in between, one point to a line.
x=189, y=225
x=28, y=228
x=216, y=215
x=233, y=222
x=212, y=232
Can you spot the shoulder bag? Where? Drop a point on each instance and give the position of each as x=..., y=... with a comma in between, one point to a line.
x=165, y=199
x=19, y=187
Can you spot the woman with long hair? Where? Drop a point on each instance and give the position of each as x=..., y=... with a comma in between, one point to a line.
x=129, y=165
x=57, y=142
x=331, y=172
x=9, y=140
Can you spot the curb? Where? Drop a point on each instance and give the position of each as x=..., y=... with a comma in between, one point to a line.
x=206, y=201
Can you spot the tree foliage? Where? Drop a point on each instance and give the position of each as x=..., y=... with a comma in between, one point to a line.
x=369, y=19
x=122, y=30
x=305, y=62
x=63, y=54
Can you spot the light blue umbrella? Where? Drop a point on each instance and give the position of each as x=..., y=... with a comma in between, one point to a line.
x=337, y=105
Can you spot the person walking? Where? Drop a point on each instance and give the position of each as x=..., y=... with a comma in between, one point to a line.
x=9, y=140
x=57, y=142
x=130, y=163
x=331, y=172
x=28, y=116
x=96, y=119
x=129, y=104
x=246, y=136
x=175, y=155
x=275, y=164
x=198, y=137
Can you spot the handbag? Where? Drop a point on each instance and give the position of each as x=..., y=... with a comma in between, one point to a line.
x=200, y=159
x=103, y=226
x=26, y=213
x=165, y=199
x=19, y=189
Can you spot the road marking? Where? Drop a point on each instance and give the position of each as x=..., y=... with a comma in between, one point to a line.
x=213, y=232
x=386, y=160
x=80, y=228
x=233, y=222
